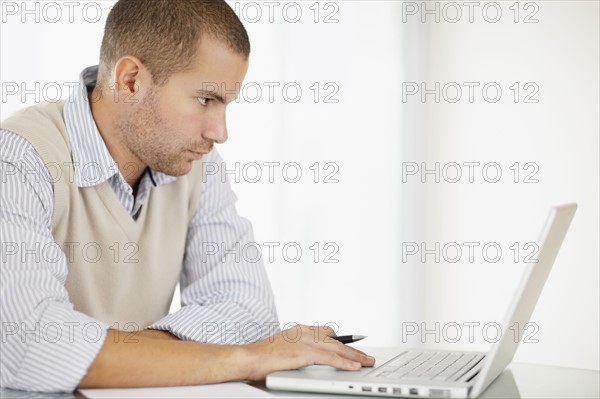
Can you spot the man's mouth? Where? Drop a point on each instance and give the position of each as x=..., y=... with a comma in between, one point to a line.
x=197, y=154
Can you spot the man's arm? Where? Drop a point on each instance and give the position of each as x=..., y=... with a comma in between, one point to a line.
x=225, y=290
x=46, y=344
x=143, y=361
x=158, y=334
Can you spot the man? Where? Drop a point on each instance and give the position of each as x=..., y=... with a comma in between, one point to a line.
x=105, y=206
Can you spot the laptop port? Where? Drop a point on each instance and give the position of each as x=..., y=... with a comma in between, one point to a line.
x=439, y=393
x=367, y=389
x=413, y=391
x=382, y=389
x=397, y=391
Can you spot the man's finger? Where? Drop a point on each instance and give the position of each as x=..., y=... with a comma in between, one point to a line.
x=354, y=355
x=335, y=360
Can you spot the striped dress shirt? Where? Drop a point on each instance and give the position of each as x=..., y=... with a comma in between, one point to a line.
x=47, y=345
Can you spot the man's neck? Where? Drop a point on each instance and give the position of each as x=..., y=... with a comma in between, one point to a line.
x=130, y=166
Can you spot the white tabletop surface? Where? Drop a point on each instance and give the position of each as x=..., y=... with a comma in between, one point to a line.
x=519, y=380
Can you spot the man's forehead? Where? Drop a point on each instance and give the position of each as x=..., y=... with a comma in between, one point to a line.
x=213, y=53
x=218, y=70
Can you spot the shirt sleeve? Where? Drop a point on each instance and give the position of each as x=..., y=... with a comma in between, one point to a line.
x=225, y=293
x=46, y=345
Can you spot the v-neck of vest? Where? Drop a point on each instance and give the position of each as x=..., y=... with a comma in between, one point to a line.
x=130, y=226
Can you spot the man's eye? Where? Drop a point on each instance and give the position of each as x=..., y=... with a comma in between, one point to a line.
x=203, y=100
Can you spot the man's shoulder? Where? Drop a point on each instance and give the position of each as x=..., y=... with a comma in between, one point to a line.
x=44, y=110
x=36, y=119
x=43, y=126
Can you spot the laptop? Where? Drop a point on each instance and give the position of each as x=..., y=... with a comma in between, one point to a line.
x=426, y=373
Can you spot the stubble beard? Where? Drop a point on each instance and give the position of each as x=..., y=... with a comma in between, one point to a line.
x=148, y=137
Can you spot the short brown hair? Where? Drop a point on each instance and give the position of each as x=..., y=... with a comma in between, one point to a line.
x=164, y=34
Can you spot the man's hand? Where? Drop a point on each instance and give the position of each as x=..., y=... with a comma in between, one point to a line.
x=303, y=346
x=160, y=359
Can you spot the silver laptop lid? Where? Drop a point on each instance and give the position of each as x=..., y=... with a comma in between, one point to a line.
x=526, y=296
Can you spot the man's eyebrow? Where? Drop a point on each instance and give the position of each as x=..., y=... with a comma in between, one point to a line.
x=211, y=93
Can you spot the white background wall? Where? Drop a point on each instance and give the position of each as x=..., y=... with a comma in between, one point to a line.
x=555, y=137
x=367, y=134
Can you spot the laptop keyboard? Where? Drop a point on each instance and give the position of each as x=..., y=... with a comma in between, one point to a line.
x=431, y=366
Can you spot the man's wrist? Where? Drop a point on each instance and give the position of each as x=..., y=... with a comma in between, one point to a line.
x=242, y=361
x=251, y=360
x=157, y=334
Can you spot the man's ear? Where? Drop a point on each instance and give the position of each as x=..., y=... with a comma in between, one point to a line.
x=129, y=77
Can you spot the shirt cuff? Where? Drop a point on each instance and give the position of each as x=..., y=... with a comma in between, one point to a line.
x=222, y=323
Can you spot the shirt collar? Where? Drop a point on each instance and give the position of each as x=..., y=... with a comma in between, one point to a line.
x=92, y=162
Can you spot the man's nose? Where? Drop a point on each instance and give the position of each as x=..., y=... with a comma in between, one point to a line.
x=216, y=131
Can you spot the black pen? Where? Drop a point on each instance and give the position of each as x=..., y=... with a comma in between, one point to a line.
x=348, y=339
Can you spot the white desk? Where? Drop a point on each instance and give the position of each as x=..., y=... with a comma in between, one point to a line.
x=538, y=381
x=519, y=380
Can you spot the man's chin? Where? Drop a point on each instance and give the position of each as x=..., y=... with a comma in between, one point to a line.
x=181, y=169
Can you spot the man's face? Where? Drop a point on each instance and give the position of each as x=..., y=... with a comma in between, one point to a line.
x=173, y=125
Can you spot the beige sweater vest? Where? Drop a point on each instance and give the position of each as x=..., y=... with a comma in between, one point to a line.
x=119, y=270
